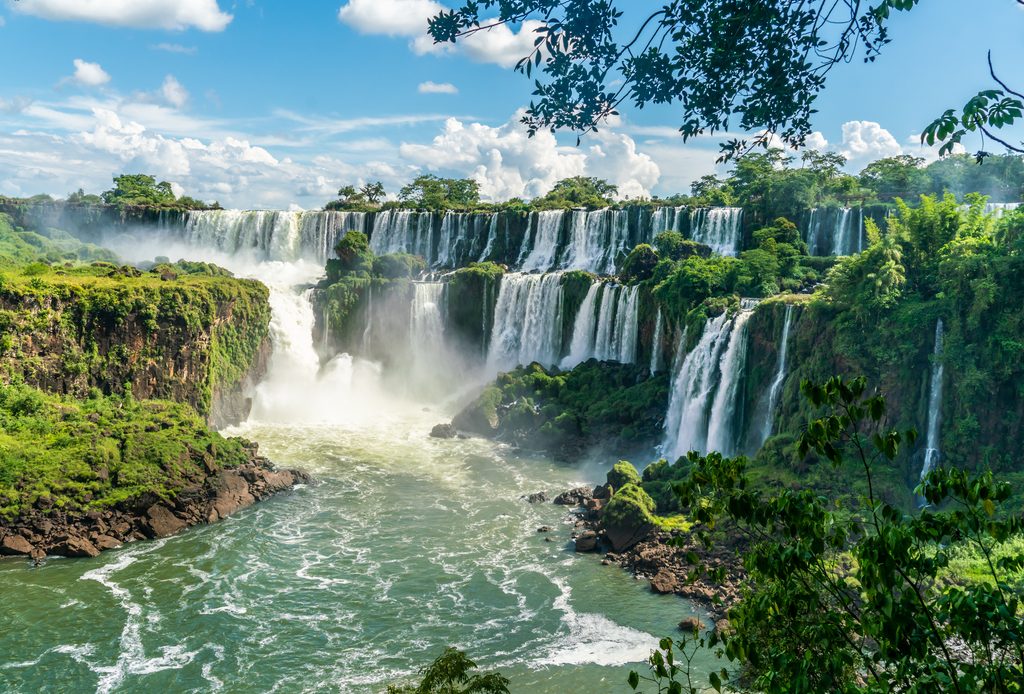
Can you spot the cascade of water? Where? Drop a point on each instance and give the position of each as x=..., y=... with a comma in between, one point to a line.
x=722, y=423
x=780, y=376
x=368, y=329
x=998, y=209
x=717, y=227
x=584, y=330
x=656, y=344
x=543, y=255
x=842, y=235
x=932, y=454
x=404, y=231
x=527, y=321
x=492, y=237
x=627, y=320
x=427, y=320
x=267, y=235
x=606, y=323
x=696, y=377
x=813, y=232
x=666, y=219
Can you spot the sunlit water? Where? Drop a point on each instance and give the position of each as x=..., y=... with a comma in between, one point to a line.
x=405, y=545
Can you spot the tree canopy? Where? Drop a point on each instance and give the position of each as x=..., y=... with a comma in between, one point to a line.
x=431, y=192
x=142, y=190
x=757, y=67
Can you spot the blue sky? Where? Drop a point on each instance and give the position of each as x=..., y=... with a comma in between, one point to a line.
x=263, y=104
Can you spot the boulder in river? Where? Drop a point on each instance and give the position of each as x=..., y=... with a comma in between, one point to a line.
x=586, y=541
x=628, y=518
x=15, y=545
x=574, y=497
x=444, y=431
x=691, y=625
x=536, y=498
x=665, y=582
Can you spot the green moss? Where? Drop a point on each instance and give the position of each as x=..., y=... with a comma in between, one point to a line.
x=630, y=506
x=623, y=473
x=103, y=325
x=75, y=456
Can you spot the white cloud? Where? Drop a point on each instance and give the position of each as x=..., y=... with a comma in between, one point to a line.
x=865, y=141
x=89, y=74
x=205, y=15
x=173, y=92
x=507, y=163
x=499, y=44
x=175, y=48
x=435, y=88
x=816, y=141
x=389, y=17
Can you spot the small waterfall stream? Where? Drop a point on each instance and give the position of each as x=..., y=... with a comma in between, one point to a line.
x=768, y=428
x=527, y=321
x=932, y=454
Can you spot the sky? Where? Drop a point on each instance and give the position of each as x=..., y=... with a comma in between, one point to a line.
x=275, y=104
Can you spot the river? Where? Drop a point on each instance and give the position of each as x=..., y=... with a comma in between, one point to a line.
x=403, y=546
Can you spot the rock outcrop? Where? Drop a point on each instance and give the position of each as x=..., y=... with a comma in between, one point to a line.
x=222, y=494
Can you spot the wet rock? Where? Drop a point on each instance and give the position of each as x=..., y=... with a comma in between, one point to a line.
x=76, y=547
x=723, y=627
x=106, y=542
x=574, y=497
x=16, y=545
x=691, y=625
x=537, y=498
x=664, y=582
x=545, y=529
x=444, y=431
x=586, y=541
x=161, y=522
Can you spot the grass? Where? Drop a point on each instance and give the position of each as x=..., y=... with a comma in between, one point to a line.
x=58, y=453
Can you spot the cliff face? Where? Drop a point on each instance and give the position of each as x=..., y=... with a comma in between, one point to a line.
x=196, y=339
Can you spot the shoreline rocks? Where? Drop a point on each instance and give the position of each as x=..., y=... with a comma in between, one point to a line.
x=223, y=493
x=660, y=557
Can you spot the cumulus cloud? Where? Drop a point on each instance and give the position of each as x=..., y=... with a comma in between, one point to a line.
x=865, y=141
x=89, y=74
x=507, y=163
x=499, y=45
x=173, y=92
x=389, y=17
x=179, y=15
x=429, y=87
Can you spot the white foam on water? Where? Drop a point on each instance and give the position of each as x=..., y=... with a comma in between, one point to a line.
x=594, y=639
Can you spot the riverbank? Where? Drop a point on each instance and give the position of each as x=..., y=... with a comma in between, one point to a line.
x=222, y=493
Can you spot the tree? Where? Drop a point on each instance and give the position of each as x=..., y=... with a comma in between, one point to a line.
x=451, y=673
x=354, y=256
x=712, y=191
x=895, y=177
x=373, y=192
x=579, y=191
x=139, y=190
x=848, y=596
x=430, y=192
x=755, y=66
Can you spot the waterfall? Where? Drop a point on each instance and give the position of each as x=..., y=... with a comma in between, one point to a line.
x=368, y=330
x=656, y=344
x=705, y=389
x=492, y=237
x=597, y=240
x=267, y=235
x=544, y=232
x=999, y=209
x=775, y=390
x=835, y=231
x=584, y=332
x=718, y=227
x=427, y=322
x=404, y=231
x=666, y=219
x=722, y=425
x=932, y=454
x=527, y=321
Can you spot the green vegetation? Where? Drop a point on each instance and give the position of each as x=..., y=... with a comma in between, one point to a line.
x=367, y=198
x=854, y=595
x=596, y=404
x=433, y=193
x=141, y=190
x=621, y=474
x=579, y=191
x=452, y=673
x=74, y=456
x=70, y=327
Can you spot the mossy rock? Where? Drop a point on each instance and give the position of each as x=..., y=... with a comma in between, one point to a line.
x=629, y=517
x=623, y=473
x=481, y=417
